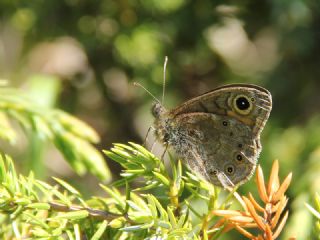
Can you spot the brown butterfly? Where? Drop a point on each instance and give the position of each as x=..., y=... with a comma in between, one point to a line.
x=217, y=134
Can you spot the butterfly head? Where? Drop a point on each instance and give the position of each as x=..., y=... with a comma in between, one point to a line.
x=158, y=110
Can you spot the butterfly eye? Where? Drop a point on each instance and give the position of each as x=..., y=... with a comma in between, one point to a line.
x=213, y=172
x=243, y=104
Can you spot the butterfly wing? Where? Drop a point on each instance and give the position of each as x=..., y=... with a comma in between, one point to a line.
x=216, y=146
x=250, y=104
x=218, y=133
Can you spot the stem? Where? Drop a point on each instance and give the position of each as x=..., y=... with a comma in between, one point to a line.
x=94, y=213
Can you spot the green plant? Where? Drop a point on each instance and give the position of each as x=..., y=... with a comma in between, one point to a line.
x=72, y=137
x=165, y=204
x=316, y=213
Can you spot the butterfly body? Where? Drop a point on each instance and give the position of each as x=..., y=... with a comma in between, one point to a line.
x=217, y=134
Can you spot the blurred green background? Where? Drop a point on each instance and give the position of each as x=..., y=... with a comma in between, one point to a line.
x=83, y=56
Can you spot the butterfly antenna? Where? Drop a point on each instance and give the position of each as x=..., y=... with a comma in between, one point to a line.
x=164, y=78
x=139, y=85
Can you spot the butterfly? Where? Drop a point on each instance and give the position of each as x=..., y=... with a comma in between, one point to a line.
x=217, y=134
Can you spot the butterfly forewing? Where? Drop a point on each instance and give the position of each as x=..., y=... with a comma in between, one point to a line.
x=221, y=101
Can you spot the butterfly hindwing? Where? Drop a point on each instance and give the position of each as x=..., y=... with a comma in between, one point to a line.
x=223, y=145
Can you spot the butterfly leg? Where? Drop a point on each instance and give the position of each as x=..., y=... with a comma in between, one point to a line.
x=152, y=146
x=164, y=152
x=146, y=137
